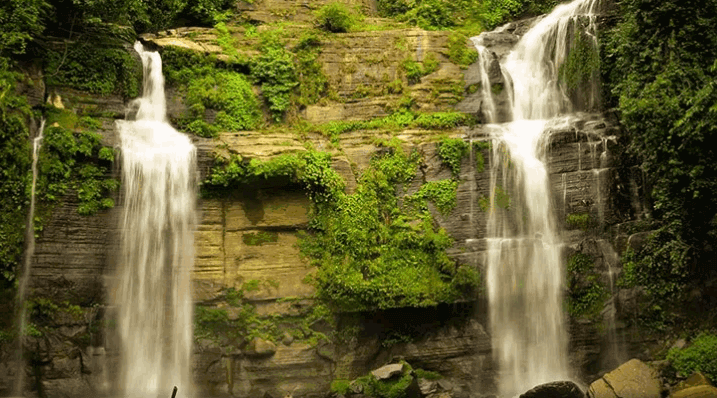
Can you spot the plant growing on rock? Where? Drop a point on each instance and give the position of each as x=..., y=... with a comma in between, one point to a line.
x=335, y=18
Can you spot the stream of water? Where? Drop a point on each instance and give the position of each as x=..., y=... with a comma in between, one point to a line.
x=525, y=276
x=21, y=321
x=152, y=287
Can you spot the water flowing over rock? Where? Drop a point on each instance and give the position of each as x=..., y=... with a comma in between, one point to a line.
x=152, y=292
x=525, y=265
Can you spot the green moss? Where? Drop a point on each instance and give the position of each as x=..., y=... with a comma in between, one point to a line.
x=427, y=374
x=458, y=50
x=586, y=293
x=699, y=356
x=578, y=221
x=452, y=151
x=340, y=386
x=416, y=70
x=583, y=62
x=259, y=238
x=478, y=148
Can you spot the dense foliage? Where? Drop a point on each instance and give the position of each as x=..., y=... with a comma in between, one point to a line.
x=661, y=70
x=14, y=173
x=699, y=356
x=442, y=14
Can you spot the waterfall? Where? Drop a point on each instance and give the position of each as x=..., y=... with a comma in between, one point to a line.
x=152, y=287
x=27, y=266
x=525, y=264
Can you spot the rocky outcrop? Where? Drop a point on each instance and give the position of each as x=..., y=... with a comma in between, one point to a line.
x=634, y=379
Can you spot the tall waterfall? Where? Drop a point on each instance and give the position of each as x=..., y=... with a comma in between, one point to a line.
x=525, y=265
x=152, y=292
x=27, y=266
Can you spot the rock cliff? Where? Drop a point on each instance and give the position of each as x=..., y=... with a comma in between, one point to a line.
x=248, y=237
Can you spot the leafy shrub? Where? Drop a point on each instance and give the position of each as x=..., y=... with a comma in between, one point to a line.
x=334, y=17
x=276, y=71
x=452, y=151
x=699, y=356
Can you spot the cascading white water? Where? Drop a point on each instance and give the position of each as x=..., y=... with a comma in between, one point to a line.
x=152, y=293
x=24, y=279
x=525, y=265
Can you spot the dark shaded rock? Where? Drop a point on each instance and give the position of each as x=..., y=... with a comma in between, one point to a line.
x=637, y=241
x=555, y=389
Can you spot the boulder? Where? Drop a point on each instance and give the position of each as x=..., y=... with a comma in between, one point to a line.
x=261, y=348
x=388, y=371
x=555, y=389
x=633, y=379
x=702, y=391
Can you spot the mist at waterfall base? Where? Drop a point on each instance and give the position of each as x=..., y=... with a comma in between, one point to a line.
x=151, y=291
x=524, y=271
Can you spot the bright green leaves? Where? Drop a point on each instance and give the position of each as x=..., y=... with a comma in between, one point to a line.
x=375, y=249
x=335, y=18
x=276, y=72
x=452, y=151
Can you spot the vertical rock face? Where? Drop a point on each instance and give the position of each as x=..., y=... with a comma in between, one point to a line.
x=251, y=235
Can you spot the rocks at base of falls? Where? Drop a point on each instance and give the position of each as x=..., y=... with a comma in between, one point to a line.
x=633, y=379
x=695, y=386
x=555, y=389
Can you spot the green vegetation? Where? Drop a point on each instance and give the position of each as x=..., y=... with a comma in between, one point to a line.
x=586, y=294
x=660, y=74
x=478, y=148
x=374, y=251
x=582, y=65
x=335, y=18
x=73, y=158
x=276, y=72
x=699, y=356
x=259, y=238
x=467, y=14
x=15, y=158
x=237, y=322
x=580, y=221
x=395, y=387
x=416, y=70
x=98, y=69
x=452, y=151
x=441, y=193
x=458, y=51
x=210, y=89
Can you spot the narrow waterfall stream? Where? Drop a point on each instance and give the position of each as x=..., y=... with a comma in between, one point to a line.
x=21, y=320
x=152, y=288
x=525, y=275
